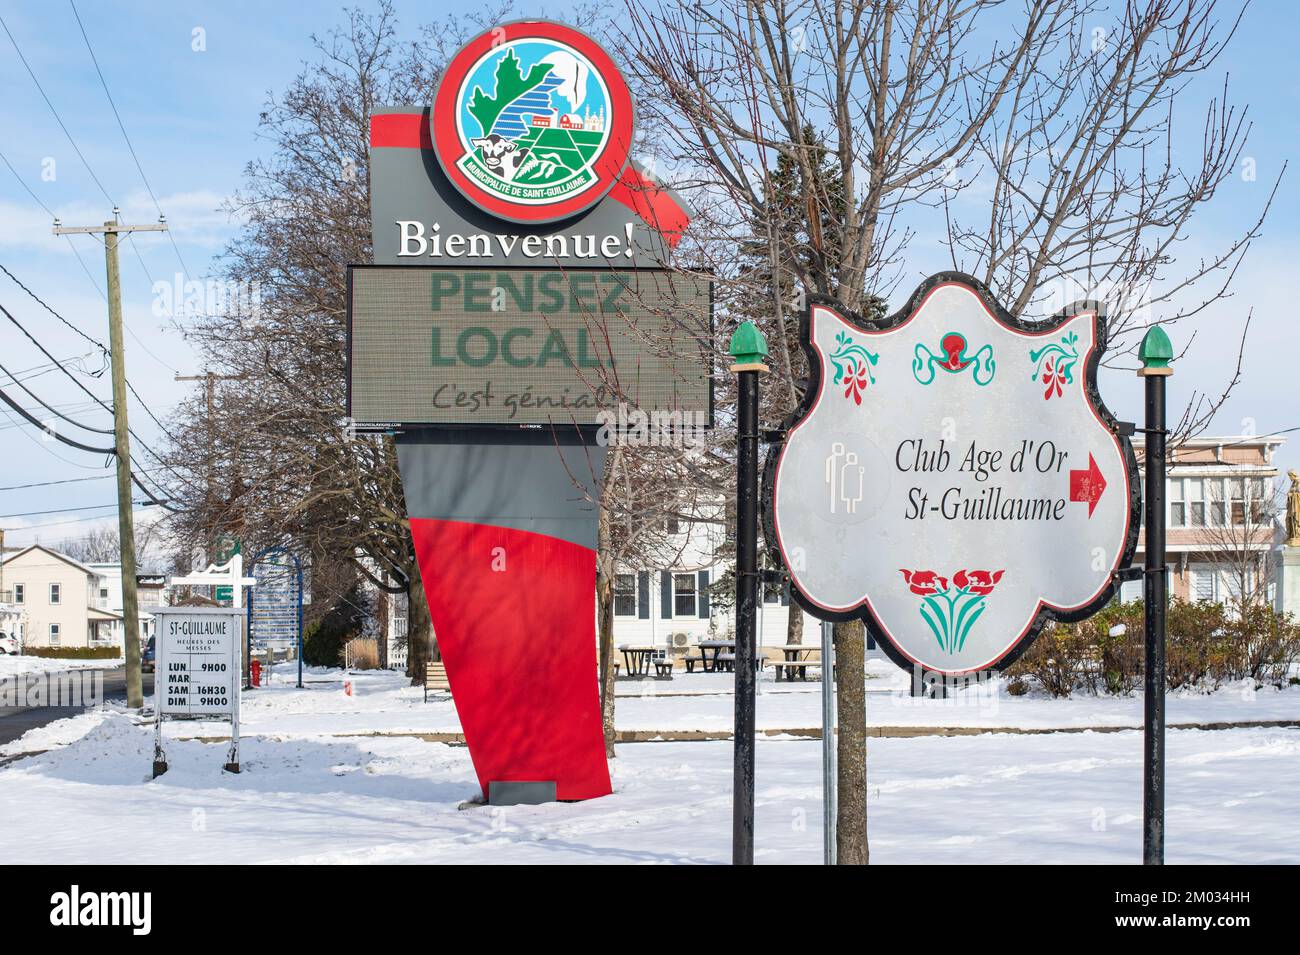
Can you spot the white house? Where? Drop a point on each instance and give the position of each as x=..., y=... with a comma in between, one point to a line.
x=57, y=600
x=671, y=606
x=149, y=590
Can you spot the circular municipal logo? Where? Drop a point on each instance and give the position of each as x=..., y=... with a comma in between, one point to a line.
x=532, y=121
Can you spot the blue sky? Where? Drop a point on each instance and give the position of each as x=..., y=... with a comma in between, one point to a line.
x=192, y=117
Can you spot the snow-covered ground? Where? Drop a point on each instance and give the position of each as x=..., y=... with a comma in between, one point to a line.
x=383, y=702
x=14, y=665
x=309, y=793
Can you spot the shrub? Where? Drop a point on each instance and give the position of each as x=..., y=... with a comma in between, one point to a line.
x=361, y=653
x=1056, y=660
x=73, y=653
x=1206, y=646
x=1263, y=646
x=323, y=639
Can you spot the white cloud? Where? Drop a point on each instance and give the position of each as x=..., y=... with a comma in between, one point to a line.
x=196, y=219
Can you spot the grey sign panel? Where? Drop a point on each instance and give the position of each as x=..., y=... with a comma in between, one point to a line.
x=407, y=185
x=525, y=347
x=533, y=480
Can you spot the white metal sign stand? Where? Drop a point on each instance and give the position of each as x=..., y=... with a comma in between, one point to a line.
x=198, y=652
x=230, y=574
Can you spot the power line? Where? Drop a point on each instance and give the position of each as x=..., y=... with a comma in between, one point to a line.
x=38, y=371
x=41, y=302
x=82, y=262
x=130, y=387
x=47, y=354
x=52, y=410
x=44, y=445
x=79, y=520
x=69, y=510
x=50, y=431
x=50, y=212
x=75, y=381
x=27, y=188
x=129, y=146
x=57, y=118
x=23, y=487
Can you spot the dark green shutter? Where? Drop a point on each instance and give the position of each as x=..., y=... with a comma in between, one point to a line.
x=643, y=595
x=702, y=599
x=666, y=595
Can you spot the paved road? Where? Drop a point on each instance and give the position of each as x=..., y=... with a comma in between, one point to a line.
x=14, y=722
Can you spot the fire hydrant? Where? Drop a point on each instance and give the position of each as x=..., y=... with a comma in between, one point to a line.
x=255, y=673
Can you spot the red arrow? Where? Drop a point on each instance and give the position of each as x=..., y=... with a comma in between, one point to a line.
x=1087, y=485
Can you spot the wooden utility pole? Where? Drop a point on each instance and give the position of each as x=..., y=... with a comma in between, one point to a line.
x=122, y=444
x=211, y=377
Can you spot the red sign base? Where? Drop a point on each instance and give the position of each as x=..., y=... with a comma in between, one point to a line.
x=514, y=614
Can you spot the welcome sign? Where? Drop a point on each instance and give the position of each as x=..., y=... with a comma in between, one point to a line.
x=509, y=346
x=518, y=303
x=953, y=477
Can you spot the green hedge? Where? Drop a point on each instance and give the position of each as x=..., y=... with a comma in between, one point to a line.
x=1206, y=647
x=73, y=653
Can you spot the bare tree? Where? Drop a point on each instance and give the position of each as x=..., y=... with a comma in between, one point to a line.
x=286, y=466
x=97, y=546
x=101, y=545
x=913, y=101
x=1239, y=537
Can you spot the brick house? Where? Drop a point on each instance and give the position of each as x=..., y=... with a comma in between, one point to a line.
x=1221, y=519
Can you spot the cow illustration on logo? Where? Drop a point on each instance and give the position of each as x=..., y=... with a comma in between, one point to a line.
x=532, y=122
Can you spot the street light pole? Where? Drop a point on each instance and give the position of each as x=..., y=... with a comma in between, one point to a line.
x=748, y=349
x=1156, y=353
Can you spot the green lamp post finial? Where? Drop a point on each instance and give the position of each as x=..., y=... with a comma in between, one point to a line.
x=1156, y=352
x=748, y=348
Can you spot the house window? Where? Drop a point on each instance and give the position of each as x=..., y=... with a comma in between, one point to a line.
x=1196, y=498
x=103, y=593
x=56, y=593
x=1237, y=500
x=625, y=595
x=683, y=595
x=1177, y=506
x=673, y=525
x=54, y=634
x=1203, y=581
x=1259, y=501
x=20, y=593
x=1214, y=493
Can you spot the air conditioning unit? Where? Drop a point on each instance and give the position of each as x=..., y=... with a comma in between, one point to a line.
x=681, y=640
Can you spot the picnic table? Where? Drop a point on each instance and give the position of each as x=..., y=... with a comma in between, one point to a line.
x=638, y=657
x=797, y=660
x=718, y=659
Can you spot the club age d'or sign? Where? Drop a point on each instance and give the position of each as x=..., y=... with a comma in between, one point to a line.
x=953, y=477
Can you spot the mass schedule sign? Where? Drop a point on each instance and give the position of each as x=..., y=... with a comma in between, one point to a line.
x=953, y=477
x=197, y=666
